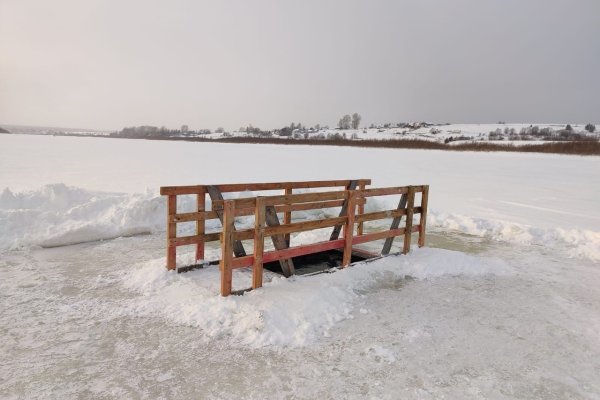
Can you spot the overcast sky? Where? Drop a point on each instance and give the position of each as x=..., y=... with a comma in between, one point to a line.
x=107, y=64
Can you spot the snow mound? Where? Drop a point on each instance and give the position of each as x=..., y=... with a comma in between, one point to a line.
x=286, y=312
x=575, y=242
x=57, y=215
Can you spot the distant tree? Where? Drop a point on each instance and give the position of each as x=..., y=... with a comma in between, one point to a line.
x=317, y=127
x=345, y=122
x=355, y=120
x=591, y=128
x=219, y=130
x=184, y=128
x=568, y=127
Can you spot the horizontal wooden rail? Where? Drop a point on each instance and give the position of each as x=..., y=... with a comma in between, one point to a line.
x=242, y=187
x=304, y=226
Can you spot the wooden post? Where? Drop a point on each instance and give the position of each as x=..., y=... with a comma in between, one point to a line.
x=259, y=243
x=409, y=218
x=349, y=228
x=171, y=232
x=215, y=194
x=338, y=228
x=361, y=210
x=200, y=224
x=387, y=246
x=423, y=219
x=227, y=247
x=287, y=218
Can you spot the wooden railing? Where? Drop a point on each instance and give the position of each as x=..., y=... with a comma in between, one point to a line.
x=215, y=192
x=351, y=218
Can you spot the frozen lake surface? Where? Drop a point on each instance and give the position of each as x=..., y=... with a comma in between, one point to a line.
x=503, y=304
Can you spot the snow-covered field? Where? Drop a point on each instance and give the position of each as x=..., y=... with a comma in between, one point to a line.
x=504, y=302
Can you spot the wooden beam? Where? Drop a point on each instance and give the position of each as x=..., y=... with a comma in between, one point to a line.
x=388, y=191
x=303, y=226
x=200, y=224
x=423, y=219
x=171, y=233
x=302, y=250
x=409, y=219
x=215, y=194
x=241, y=187
x=387, y=246
x=287, y=217
x=259, y=243
x=361, y=210
x=227, y=249
x=338, y=228
x=287, y=265
x=349, y=229
x=370, y=237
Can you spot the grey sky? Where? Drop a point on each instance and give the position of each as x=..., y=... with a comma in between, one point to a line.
x=107, y=64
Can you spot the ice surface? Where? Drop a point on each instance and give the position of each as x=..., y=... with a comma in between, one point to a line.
x=504, y=303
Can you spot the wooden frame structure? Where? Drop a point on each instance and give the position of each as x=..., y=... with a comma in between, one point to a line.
x=351, y=201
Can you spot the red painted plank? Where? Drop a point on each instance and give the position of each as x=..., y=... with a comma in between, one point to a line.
x=302, y=250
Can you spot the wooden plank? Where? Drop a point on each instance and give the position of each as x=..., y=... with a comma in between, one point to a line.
x=373, y=216
x=200, y=224
x=218, y=205
x=215, y=194
x=387, y=246
x=370, y=237
x=361, y=210
x=287, y=265
x=187, y=217
x=227, y=249
x=423, y=218
x=241, y=187
x=387, y=191
x=304, y=226
x=287, y=217
x=242, y=262
x=259, y=243
x=338, y=228
x=409, y=219
x=175, y=190
x=171, y=233
x=302, y=250
x=349, y=229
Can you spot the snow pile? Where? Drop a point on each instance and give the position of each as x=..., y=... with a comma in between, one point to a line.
x=286, y=312
x=576, y=242
x=57, y=215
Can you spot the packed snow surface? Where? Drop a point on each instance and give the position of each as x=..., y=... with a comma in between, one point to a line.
x=502, y=304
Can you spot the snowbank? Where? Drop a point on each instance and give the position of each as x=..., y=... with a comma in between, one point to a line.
x=58, y=215
x=286, y=312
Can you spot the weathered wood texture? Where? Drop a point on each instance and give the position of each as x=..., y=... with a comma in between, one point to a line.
x=259, y=243
x=338, y=228
x=287, y=265
x=171, y=233
x=215, y=194
x=387, y=246
x=423, y=215
x=227, y=249
x=265, y=208
x=242, y=187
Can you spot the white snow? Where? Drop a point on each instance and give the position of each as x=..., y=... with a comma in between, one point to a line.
x=502, y=304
